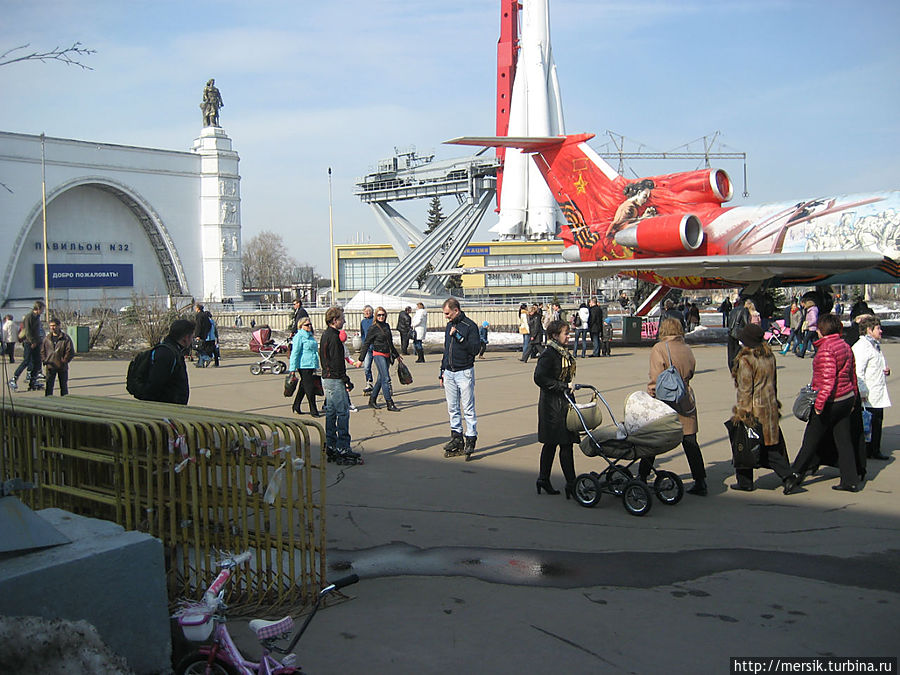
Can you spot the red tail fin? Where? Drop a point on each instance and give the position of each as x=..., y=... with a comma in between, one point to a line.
x=587, y=189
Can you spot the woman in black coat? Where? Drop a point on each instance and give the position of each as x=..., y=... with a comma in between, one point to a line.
x=554, y=373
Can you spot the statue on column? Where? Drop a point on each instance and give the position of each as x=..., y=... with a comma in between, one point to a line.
x=212, y=101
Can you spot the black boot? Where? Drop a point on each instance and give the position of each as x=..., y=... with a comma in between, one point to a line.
x=544, y=484
x=570, y=488
x=421, y=355
x=470, y=446
x=699, y=488
x=454, y=447
x=372, y=402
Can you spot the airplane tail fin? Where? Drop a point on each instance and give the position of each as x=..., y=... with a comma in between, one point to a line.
x=587, y=189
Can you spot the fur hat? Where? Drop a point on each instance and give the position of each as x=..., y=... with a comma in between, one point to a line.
x=751, y=335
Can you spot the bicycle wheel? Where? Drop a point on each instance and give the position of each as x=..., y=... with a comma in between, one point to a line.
x=196, y=663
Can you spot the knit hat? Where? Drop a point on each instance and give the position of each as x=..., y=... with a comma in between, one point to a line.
x=485, y=324
x=751, y=335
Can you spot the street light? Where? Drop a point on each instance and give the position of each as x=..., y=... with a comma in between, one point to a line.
x=331, y=241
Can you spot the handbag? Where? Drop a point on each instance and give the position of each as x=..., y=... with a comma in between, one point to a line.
x=318, y=390
x=746, y=443
x=804, y=402
x=590, y=411
x=403, y=373
x=290, y=384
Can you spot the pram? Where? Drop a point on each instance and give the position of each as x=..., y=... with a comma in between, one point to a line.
x=261, y=343
x=777, y=333
x=650, y=428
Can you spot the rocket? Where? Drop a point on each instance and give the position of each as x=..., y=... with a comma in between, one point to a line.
x=527, y=208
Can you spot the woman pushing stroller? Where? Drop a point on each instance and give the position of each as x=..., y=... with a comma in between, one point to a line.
x=554, y=374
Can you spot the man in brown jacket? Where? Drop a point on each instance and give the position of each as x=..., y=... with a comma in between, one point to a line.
x=57, y=351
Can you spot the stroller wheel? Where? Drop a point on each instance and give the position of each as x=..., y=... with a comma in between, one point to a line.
x=636, y=498
x=255, y=369
x=279, y=367
x=669, y=487
x=616, y=477
x=587, y=490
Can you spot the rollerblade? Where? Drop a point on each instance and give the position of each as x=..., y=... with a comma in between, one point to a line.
x=343, y=456
x=469, y=446
x=455, y=446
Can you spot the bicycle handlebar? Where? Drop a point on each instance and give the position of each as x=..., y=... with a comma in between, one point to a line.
x=346, y=581
x=210, y=596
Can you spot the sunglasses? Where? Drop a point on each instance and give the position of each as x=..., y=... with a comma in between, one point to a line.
x=381, y=315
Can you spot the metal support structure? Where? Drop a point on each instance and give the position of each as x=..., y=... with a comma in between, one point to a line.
x=407, y=176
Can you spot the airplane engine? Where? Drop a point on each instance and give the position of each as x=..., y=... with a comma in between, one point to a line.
x=707, y=186
x=669, y=234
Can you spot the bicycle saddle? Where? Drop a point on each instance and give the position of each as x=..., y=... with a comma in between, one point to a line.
x=270, y=629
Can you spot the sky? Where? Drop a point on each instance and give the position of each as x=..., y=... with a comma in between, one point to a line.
x=809, y=89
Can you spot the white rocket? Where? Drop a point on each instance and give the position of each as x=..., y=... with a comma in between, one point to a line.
x=527, y=208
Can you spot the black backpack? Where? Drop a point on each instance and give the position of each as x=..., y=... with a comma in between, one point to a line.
x=139, y=371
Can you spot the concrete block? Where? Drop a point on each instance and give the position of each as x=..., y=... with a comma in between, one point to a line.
x=109, y=577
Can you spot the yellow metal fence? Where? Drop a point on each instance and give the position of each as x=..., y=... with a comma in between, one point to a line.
x=201, y=480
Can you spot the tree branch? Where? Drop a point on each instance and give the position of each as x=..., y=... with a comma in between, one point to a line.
x=69, y=55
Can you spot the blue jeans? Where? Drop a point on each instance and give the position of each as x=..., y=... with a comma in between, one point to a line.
x=809, y=337
x=526, y=341
x=337, y=414
x=582, y=334
x=459, y=389
x=384, y=378
x=31, y=359
x=367, y=366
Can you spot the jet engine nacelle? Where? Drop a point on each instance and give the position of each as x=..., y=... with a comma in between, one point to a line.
x=669, y=234
x=706, y=186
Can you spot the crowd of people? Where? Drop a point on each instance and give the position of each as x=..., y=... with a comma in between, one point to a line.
x=848, y=377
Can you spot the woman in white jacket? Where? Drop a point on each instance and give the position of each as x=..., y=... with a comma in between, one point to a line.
x=419, y=325
x=871, y=373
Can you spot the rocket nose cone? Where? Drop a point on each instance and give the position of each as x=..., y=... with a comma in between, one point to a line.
x=572, y=254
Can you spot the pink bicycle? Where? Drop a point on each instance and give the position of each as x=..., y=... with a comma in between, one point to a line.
x=205, y=623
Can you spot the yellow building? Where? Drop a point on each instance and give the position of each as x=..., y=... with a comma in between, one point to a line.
x=362, y=266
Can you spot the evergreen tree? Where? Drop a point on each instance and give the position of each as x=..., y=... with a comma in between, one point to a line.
x=435, y=215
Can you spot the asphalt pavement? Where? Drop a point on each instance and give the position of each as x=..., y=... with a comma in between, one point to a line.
x=464, y=568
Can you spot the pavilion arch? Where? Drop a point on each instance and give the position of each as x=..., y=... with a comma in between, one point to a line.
x=166, y=253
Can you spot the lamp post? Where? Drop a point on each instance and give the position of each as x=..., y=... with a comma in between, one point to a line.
x=331, y=241
x=44, y=214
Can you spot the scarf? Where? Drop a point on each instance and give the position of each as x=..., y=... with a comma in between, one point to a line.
x=567, y=373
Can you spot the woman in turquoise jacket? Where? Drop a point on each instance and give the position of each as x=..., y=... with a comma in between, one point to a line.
x=305, y=362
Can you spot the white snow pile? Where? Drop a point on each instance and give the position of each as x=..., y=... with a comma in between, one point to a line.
x=38, y=645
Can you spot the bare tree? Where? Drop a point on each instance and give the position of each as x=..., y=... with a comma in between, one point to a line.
x=266, y=263
x=67, y=55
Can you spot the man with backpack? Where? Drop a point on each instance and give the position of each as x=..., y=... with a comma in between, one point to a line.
x=31, y=336
x=160, y=374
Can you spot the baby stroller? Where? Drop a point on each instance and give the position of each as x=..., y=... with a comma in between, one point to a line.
x=650, y=428
x=261, y=343
x=205, y=351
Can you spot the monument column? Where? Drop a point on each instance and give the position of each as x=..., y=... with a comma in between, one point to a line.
x=220, y=215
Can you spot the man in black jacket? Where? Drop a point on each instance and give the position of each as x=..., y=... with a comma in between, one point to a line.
x=461, y=345
x=299, y=313
x=404, y=326
x=167, y=381
x=31, y=344
x=334, y=383
x=595, y=325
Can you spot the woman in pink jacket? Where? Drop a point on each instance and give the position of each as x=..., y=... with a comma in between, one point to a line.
x=837, y=401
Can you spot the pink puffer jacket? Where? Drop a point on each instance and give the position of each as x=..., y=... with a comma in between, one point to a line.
x=834, y=370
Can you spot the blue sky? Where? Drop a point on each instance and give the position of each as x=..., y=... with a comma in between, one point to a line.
x=810, y=90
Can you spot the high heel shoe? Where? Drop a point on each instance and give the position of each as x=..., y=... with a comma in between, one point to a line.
x=544, y=484
x=570, y=489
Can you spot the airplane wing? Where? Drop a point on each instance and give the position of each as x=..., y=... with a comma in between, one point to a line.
x=739, y=269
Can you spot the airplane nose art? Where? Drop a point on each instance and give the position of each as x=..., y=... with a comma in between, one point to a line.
x=571, y=254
